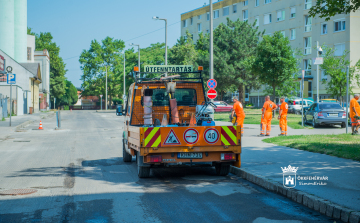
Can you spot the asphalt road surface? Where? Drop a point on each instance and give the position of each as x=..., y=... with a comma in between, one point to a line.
x=80, y=176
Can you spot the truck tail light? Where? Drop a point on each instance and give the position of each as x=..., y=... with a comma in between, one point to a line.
x=228, y=156
x=320, y=114
x=155, y=159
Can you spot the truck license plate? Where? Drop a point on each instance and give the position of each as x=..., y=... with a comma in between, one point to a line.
x=189, y=155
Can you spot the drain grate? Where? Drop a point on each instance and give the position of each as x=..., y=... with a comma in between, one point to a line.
x=18, y=192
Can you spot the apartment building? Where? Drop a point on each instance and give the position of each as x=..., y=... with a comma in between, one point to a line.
x=291, y=18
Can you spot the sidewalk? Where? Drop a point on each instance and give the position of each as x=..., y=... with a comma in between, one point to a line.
x=264, y=160
x=5, y=129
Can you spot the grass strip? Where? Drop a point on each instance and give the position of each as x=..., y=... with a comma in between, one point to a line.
x=343, y=145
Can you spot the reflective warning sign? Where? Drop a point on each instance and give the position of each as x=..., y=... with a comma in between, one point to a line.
x=171, y=139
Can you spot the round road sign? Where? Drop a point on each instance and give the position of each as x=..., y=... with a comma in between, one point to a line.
x=211, y=135
x=211, y=83
x=211, y=94
x=9, y=69
x=191, y=136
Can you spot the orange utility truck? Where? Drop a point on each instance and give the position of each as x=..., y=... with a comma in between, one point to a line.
x=168, y=123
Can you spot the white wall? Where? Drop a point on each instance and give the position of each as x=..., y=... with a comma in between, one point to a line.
x=31, y=44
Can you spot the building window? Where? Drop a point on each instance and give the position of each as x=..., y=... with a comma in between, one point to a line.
x=246, y=2
x=308, y=4
x=234, y=8
x=216, y=14
x=199, y=17
x=307, y=45
x=310, y=88
x=185, y=23
x=256, y=3
x=208, y=16
x=292, y=12
x=29, y=53
x=225, y=11
x=339, y=49
x=267, y=1
x=323, y=28
x=207, y=31
x=191, y=21
x=307, y=23
x=339, y=25
x=199, y=27
x=267, y=18
x=307, y=67
x=245, y=15
x=257, y=20
x=283, y=32
x=280, y=15
x=292, y=34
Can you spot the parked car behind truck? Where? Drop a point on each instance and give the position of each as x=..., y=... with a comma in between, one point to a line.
x=325, y=113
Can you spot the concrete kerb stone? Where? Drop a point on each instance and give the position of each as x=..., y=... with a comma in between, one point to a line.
x=22, y=125
x=317, y=204
x=354, y=217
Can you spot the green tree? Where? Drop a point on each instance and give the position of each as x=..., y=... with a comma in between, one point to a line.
x=275, y=65
x=94, y=63
x=327, y=8
x=70, y=97
x=335, y=68
x=234, y=47
x=57, y=65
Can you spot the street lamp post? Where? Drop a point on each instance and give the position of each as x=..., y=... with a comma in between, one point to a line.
x=317, y=73
x=138, y=45
x=157, y=18
x=124, y=76
x=106, y=95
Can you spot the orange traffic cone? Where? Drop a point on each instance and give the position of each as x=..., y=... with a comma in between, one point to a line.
x=192, y=120
x=40, y=126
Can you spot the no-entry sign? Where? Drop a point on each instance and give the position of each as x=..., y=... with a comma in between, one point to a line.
x=211, y=94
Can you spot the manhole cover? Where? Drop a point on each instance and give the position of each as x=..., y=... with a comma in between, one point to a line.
x=18, y=192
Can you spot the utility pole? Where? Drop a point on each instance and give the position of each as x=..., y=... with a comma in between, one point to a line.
x=317, y=73
x=106, y=95
x=347, y=99
x=211, y=43
x=124, y=77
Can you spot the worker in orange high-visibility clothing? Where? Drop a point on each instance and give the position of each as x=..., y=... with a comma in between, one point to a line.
x=240, y=114
x=355, y=114
x=266, y=116
x=283, y=117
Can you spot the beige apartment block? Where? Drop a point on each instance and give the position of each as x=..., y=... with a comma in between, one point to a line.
x=341, y=32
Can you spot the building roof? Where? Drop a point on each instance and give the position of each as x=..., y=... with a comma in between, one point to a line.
x=34, y=68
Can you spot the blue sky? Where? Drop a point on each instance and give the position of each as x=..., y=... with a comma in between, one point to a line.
x=74, y=23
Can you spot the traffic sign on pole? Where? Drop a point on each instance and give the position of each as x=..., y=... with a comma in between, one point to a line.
x=211, y=83
x=211, y=94
x=11, y=78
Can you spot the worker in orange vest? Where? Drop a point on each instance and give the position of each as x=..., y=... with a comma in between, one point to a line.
x=283, y=117
x=266, y=116
x=240, y=114
x=355, y=114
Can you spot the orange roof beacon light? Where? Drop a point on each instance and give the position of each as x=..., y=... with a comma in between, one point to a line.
x=136, y=69
x=200, y=68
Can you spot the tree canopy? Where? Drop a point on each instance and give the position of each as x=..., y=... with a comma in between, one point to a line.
x=57, y=65
x=328, y=8
x=275, y=65
x=335, y=68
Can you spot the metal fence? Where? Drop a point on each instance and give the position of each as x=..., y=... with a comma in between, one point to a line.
x=3, y=107
x=90, y=107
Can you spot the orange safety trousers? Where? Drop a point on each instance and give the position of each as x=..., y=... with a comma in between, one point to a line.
x=240, y=121
x=266, y=123
x=283, y=124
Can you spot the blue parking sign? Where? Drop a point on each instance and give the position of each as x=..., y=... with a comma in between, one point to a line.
x=11, y=78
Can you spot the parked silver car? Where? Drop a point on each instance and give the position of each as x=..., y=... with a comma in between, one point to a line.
x=295, y=105
x=325, y=113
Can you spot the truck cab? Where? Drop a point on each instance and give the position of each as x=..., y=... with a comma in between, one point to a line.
x=166, y=124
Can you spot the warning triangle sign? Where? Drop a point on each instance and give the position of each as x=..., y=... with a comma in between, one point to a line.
x=172, y=139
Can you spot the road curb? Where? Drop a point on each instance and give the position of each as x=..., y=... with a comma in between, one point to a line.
x=31, y=121
x=323, y=206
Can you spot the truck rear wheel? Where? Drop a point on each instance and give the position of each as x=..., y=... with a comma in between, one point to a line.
x=222, y=169
x=126, y=156
x=143, y=171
